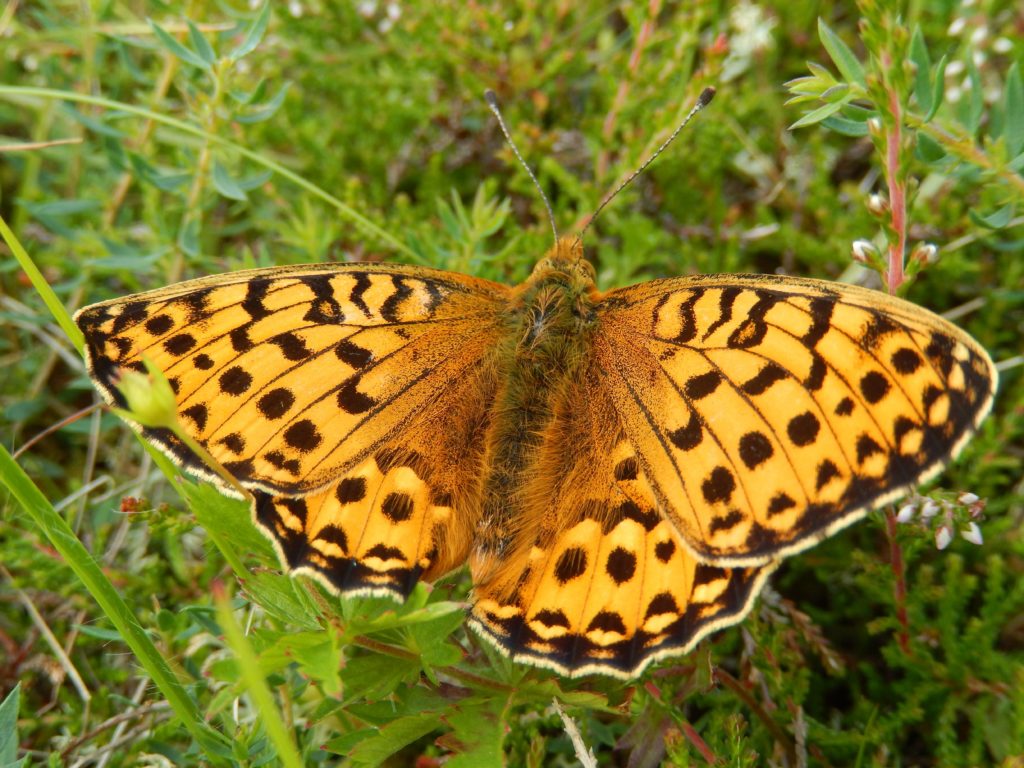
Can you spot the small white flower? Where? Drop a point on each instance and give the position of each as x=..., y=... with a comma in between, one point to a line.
x=367, y=8
x=862, y=251
x=957, y=26
x=877, y=204
x=394, y=11
x=967, y=498
x=906, y=513
x=295, y=9
x=973, y=534
x=930, y=509
x=943, y=535
x=978, y=35
x=925, y=253
x=1002, y=45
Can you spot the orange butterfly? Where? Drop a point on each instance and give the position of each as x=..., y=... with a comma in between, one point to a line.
x=621, y=470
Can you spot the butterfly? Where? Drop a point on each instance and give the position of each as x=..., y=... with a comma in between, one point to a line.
x=621, y=470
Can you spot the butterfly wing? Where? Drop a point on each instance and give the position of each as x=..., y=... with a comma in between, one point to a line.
x=770, y=412
x=350, y=399
x=596, y=580
x=292, y=376
x=406, y=512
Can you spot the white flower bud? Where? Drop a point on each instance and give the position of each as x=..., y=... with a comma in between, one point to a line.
x=878, y=205
x=958, y=25
x=906, y=513
x=930, y=510
x=924, y=254
x=967, y=498
x=973, y=534
x=943, y=535
x=862, y=251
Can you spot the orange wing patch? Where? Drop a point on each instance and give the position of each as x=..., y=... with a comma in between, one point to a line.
x=769, y=413
x=601, y=582
x=290, y=376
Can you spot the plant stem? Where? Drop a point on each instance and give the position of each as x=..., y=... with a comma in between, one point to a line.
x=900, y=582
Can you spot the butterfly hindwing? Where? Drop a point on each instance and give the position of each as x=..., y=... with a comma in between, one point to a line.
x=769, y=412
x=597, y=580
x=288, y=376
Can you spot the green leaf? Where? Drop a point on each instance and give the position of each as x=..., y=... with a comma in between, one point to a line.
x=226, y=185
x=253, y=35
x=86, y=568
x=9, y=730
x=318, y=654
x=974, y=105
x=187, y=55
x=928, y=149
x=391, y=738
x=997, y=220
x=817, y=115
x=938, y=88
x=266, y=110
x=479, y=732
x=847, y=63
x=377, y=676
x=1013, y=130
x=201, y=45
x=922, y=78
x=845, y=126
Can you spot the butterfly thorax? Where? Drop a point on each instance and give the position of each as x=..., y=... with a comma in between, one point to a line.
x=550, y=320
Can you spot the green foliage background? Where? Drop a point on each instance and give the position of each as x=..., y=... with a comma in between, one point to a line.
x=354, y=130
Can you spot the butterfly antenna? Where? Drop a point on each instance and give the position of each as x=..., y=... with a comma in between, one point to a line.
x=702, y=101
x=492, y=101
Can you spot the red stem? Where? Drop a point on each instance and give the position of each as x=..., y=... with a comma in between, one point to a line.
x=900, y=583
x=897, y=195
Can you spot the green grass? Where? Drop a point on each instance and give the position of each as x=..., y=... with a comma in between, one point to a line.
x=218, y=137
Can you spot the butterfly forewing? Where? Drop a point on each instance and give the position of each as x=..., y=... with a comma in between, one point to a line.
x=769, y=412
x=289, y=376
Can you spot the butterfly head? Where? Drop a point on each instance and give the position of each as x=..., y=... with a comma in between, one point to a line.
x=566, y=258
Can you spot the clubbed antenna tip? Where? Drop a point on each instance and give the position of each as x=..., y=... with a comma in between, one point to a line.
x=702, y=101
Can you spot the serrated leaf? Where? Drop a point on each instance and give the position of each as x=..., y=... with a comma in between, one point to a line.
x=317, y=653
x=391, y=738
x=478, y=734
x=996, y=220
x=377, y=676
x=922, y=78
x=817, y=115
x=928, y=149
x=844, y=59
x=226, y=185
x=1013, y=131
x=180, y=51
x=201, y=44
x=253, y=35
